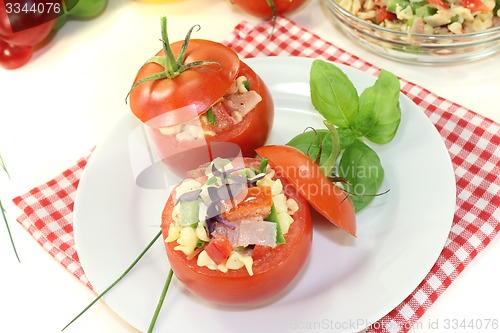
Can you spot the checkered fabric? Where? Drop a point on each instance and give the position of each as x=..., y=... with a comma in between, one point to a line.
x=47, y=215
x=472, y=141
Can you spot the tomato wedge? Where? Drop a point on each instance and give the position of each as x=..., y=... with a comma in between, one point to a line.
x=274, y=268
x=310, y=182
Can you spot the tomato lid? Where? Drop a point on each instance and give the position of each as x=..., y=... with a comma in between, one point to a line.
x=173, y=101
x=310, y=182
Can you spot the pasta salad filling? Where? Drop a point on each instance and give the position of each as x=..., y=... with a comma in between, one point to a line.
x=223, y=216
x=229, y=110
x=437, y=17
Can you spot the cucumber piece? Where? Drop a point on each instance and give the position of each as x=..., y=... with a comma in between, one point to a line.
x=418, y=4
x=189, y=213
x=273, y=217
x=393, y=4
x=425, y=11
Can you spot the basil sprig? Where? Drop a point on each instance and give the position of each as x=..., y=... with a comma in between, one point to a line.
x=351, y=119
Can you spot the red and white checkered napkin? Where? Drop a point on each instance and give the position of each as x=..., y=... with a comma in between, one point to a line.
x=48, y=217
x=472, y=141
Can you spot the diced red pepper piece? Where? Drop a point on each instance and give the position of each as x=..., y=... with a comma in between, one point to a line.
x=382, y=14
x=475, y=5
x=219, y=249
x=438, y=4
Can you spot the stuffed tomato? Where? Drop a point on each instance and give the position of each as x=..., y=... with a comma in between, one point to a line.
x=200, y=101
x=236, y=233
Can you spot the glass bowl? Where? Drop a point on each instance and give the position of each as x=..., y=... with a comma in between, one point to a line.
x=415, y=48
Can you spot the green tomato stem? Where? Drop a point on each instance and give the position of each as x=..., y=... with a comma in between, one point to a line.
x=160, y=301
x=182, y=54
x=171, y=64
x=275, y=14
x=172, y=67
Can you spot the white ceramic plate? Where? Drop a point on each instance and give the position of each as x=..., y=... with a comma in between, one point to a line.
x=348, y=283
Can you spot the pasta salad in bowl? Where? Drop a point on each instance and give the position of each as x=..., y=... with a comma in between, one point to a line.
x=421, y=31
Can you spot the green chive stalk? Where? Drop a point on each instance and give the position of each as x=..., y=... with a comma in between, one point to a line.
x=160, y=301
x=2, y=209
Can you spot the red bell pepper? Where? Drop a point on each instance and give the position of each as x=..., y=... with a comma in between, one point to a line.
x=23, y=25
x=219, y=249
x=383, y=14
x=475, y=5
x=438, y=4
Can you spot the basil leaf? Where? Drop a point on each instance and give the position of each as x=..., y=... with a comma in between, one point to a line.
x=346, y=137
x=379, y=110
x=361, y=166
x=333, y=94
x=320, y=140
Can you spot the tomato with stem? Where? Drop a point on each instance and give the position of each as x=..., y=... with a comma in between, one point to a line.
x=184, y=94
